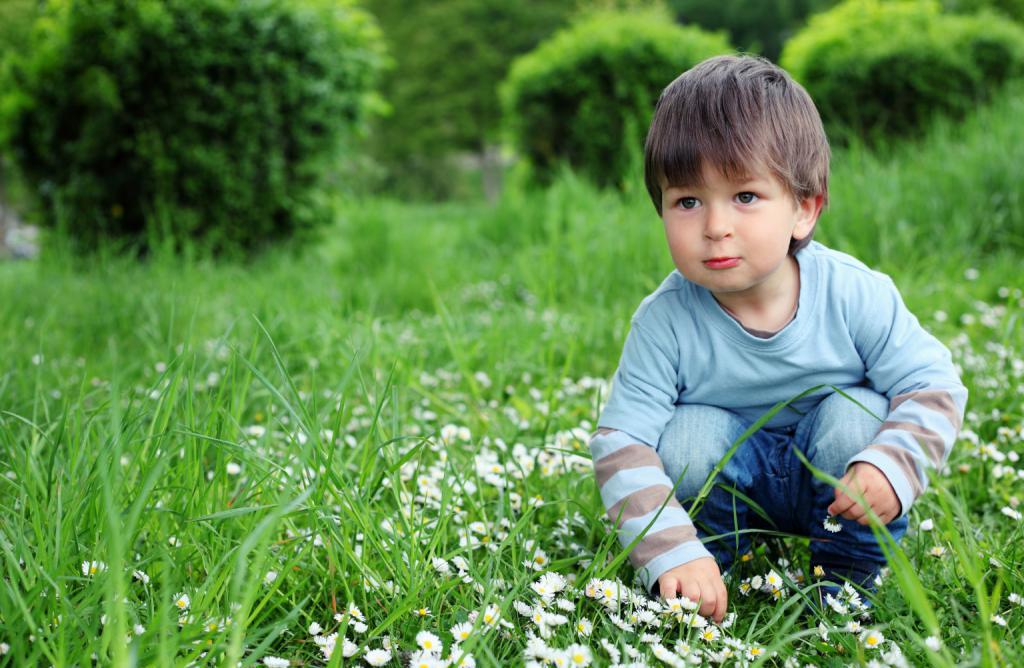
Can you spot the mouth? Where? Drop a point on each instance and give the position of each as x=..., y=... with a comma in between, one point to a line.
x=721, y=262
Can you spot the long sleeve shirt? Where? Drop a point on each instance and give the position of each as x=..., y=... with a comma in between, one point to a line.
x=851, y=329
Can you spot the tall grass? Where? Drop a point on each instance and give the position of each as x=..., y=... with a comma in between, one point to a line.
x=210, y=424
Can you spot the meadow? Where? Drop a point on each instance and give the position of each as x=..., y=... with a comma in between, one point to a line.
x=374, y=452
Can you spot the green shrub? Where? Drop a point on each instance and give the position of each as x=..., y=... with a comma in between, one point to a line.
x=754, y=27
x=884, y=68
x=207, y=120
x=586, y=95
x=1013, y=9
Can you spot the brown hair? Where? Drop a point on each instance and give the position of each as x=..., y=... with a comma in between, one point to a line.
x=737, y=113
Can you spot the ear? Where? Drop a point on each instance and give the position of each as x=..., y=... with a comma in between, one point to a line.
x=807, y=214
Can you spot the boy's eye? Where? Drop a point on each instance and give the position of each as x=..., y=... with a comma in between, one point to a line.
x=746, y=197
x=688, y=202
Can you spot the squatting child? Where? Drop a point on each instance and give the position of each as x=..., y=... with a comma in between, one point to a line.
x=736, y=163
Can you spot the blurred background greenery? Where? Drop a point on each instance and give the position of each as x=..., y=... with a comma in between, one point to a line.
x=230, y=125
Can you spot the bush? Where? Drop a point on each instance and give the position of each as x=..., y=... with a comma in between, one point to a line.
x=586, y=95
x=884, y=68
x=208, y=120
x=754, y=27
x=1013, y=9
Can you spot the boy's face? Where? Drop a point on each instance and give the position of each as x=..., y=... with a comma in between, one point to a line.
x=732, y=237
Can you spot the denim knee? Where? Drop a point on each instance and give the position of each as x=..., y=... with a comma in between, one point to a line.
x=693, y=442
x=838, y=429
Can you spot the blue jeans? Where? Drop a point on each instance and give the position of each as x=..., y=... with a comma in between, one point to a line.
x=765, y=469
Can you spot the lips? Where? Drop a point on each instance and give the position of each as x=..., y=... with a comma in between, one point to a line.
x=721, y=262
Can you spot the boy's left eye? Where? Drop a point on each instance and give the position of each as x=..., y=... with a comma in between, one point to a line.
x=746, y=197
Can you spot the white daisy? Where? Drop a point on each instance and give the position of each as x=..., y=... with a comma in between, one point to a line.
x=872, y=639
x=90, y=568
x=579, y=655
x=429, y=642
x=832, y=525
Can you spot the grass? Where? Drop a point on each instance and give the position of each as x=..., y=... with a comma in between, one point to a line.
x=397, y=421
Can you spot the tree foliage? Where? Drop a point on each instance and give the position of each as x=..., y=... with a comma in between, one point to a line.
x=754, y=27
x=211, y=120
x=449, y=57
x=586, y=96
x=879, y=68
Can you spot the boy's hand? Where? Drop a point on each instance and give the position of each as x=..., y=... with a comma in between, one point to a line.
x=697, y=580
x=869, y=480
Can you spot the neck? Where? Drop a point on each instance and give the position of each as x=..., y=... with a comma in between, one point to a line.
x=772, y=306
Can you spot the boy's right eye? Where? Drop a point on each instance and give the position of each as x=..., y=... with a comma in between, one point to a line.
x=688, y=202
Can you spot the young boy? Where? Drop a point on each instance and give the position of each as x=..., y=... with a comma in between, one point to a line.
x=736, y=162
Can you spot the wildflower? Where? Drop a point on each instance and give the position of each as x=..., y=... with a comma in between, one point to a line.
x=356, y=613
x=461, y=632
x=933, y=643
x=141, y=576
x=937, y=551
x=315, y=629
x=773, y=580
x=276, y=662
x=926, y=525
x=852, y=626
x=998, y=619
x=819, y=572
x=1011, y=513
x=872, y=638
x=832, y=525
x=491, y=615
x=613, y=651
x=232, y=468
x=90, y=568
x=1014, y=597
x=270, y=577
x=429, y=642
x=182, y=601
x=466, y=659
x=710, y=634
x=538, y=561
x=565, y=604
x=422, y=612
x=754, y=651
x=441, y=566
x=377, y=657
x=664, y=654
x=579, y=655
x=745, y=587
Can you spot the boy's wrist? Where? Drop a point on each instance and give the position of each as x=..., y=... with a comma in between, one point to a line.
x=906, y=490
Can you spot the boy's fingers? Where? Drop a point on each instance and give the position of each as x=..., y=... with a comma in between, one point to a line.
x=856, y=512
x=709, y=599
x=691, y=591
x=841, y=504
x=667, y=587
x=722, y=601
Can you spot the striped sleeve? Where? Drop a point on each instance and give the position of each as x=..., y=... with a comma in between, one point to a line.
x=927, y=400
x=634, y=489
x=918, y=433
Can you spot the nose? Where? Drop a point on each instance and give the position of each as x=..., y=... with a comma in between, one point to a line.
x=717, y=224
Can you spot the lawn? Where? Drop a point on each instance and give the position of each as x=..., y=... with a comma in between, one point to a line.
x=376, y=448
